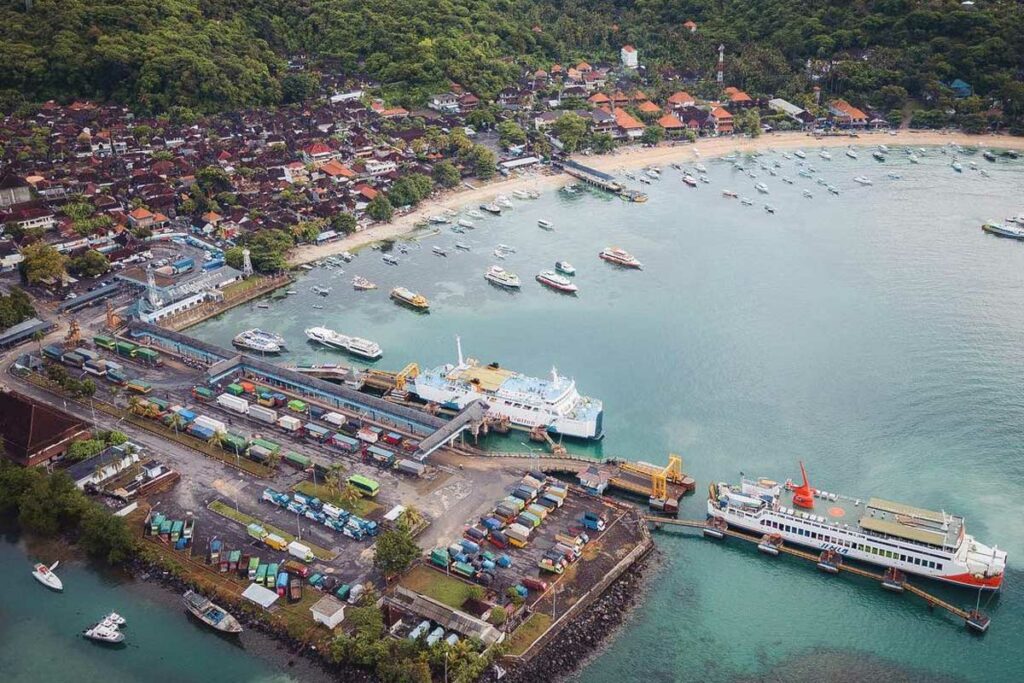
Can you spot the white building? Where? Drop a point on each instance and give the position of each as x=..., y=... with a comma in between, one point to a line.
x=376, y=167
x=630, y=57
x=329, y=611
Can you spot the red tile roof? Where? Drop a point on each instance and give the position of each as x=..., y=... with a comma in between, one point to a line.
x=668, y=122
x=624, y=120
x=680, y=97
x=648, y=107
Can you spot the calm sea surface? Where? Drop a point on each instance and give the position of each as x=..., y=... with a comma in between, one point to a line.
x=876, y=335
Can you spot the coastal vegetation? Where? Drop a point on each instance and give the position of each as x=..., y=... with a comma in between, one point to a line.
x=49, y=505
x=188, y=57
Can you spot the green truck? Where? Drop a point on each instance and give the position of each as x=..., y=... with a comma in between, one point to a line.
x=124, y=348
x=104, y=342
x=235, y=389
x=148, y=356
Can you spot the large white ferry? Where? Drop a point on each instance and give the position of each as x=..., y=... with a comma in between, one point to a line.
x=880, y=532
x=357, y=346
x=529, y=402
x=259, y=340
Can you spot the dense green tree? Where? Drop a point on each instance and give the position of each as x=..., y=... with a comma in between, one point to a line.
x=511, y=133
x=571, y=130
x=15, y=308
x=344, y=223
x=410, y=190
x=602, y=143
x=394, y=551
x=446, y=174
x=299, y=87
x=380, y=209
x=652, y=135
x=89, y=264
x=482, y=161
x=42, y=262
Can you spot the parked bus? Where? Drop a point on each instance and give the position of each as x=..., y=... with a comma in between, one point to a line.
x=365, y=485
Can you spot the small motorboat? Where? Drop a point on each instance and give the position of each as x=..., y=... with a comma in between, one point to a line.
x=545, y=224
x=730, y=194
x=115, y=619
x=704, y=179
x=745, y=201
x=45, y=576
x=893, y=176
x=701, y=168
x=439, y=251
x=825, y=155
x=957, y=166
x=787, y=180
x=462, y=246
x=458, y=229
x=808, y=194
x=507, y=248
x=769, y=208
x=473, y=213
x=498, y=253
x=851, y=153
x=863, y=180
x=690, y=180
x=645, y=180
x=389, y=259
x=565, y=268
x=104, y=633
x=466, y=223
x=833, y=189
x=762, y=188
x=770, y=544
x=362, y=284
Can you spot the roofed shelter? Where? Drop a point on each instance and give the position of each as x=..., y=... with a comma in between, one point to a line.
x=34, y=433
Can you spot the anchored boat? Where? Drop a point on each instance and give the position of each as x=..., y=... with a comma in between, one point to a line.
x=45, y=576
x=497, y=275
x=1003, y=230
x=552, y=280
x=409, y=298
x=891, y=535
x=258, y=340
x=357, y=346
x=210, y=614
x=619, y=257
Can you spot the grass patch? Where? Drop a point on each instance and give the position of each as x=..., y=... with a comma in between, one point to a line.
x=225, y=510
x=528, y=632
x=360, y=507
x=446, y=589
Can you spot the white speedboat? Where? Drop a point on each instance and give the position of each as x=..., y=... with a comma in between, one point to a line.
x=440, y=251
x=462, y=246
x=825, y=155
x=746, y=201
x=565, y=268
x=544, y=224
x=104, y=633
x=701, y=168
x=520, y=194
x=473, y=213
x=497, y=275
x=258, y=340
x=957, y=166
x=115, y=619
x=45, y=576
x=466, y=223
x=799, y=154
x=506, y=248
x=362, y=284
x=619, y=257
x=833, y=189
x=389, y=259
x=762, y=188
x=808, y=194
x=863, y=180
x=914, y=159
x=787, y=180
x=439, y=219
x=851, y=153
x=498, y=253
x=503, y=202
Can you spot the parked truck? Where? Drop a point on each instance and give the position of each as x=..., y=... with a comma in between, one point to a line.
x=300, y=551
x=594, y=520
x=233, y=403
x=289, y=423
x=276, y=542
x=263, y=414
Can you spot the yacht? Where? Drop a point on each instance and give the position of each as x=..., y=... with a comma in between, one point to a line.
x=363, y=348
x=466, y=223
x=746, y=201
x=762, y=188
x=473, y=213
x=553, y=404
x=409, y=298
x=362, y=284
x=45, y=576
x=104, y=632
x=878, y=155
x=389, y=259
x=258, y=340
x=913, y=540
x=799, y=154
x=824, y=154
x=690, y=180
x=565, y=268
x=851, y=153
x=551, y=279
x=491, y=208
x=497, y=275
x=544, y=224
x=440, y=251
x=503, y=201
x=619, y=257
x=438, y=220
x=863, y=180
x=210, y=614
x=114, y=619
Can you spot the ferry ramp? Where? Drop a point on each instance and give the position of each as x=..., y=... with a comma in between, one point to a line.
x=473, y=414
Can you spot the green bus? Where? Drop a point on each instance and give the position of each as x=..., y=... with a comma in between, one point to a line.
x=365, y=485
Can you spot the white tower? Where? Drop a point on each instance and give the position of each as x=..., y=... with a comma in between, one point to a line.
x=152, y=294
x=721, y=63
x=246, y=263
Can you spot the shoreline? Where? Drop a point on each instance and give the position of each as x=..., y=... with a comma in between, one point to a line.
x=634, y=157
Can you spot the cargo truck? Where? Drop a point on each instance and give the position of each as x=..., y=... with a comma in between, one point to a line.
x=263, y=414
x=276, y=542
x=233, y=403
x=300, y=552
x=103, y=342
x=297, y=460
x=256, y=531
x=202, y=393
x=594, y=520
x=289, y=423
x=416, y=469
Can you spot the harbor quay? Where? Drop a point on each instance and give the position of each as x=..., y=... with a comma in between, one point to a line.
x=285, y=482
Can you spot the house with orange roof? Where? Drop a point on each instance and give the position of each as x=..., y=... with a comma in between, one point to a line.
x=723, y=120
x=620, y=99
x=680, y=99
x=672, y=125
x=141, y=218
x=584, y=68
x=738, y=98
x=318, y=153
x=599, y=99
x=846, y=115
x=630, y=57
x=626, y=125
x=690, y=25
x=337, y=171
x=367, y=192
x=648, y=108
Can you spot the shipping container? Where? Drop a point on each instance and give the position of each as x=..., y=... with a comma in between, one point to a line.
x=381, y=456
x=392, y=438
x=53, y=352
x=87, y=354
x=234, y=389
x=289, y=423
x=73, y=359
x=336, y=419
x=271, y=446
x=411, y=467
x=297, y=406
x=124, y=348
x=234, y=443
x=275, y=542
x=297, y=460
x=202, y=393
x=200, y=432
x=263, y=414
x=234, y=403
x=247, y=387
x=138, y=386
x=300, y=551
x=210, y=423
x=346, y=443
x=104, y=342
x=317, y=432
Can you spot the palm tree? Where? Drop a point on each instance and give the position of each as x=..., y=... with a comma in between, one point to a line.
x=411, y=518
x=176, y=422
x=348, y=495
x=273, y=459
x=38, y=338
x=134, y=403
x=217, y=440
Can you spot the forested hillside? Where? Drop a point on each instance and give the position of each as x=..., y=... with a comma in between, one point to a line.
x=220, y=54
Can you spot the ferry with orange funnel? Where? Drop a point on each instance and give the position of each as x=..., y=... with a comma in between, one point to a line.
x=880, y=532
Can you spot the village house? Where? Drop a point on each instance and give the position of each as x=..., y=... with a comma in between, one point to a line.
x=626, y=125
x=35, y=433
x=318, y=153
x=739, y=99
x=29, y=217
x=690, y=25
x=722, y=120
x=845, y=115
x=799, y=116
x=672, y=125
x=629, y=56
x=13, y=189
x=444, y=102
x=680, y=99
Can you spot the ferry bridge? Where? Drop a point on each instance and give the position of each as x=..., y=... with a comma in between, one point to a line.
x=466, y=419
x=974, y=619
x=590, y=176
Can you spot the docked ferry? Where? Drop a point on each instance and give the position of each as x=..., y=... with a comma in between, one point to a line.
x=364, y=348
x=258, y=340
x=880, y=532
x=552, y=403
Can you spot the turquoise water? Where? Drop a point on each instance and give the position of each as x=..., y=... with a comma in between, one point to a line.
x=875, y=335
x=39, y=630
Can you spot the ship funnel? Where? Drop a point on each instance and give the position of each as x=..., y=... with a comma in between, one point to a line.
x=803, y=495
x=458, y=348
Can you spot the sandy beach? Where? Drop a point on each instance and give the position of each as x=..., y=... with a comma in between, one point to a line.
x=638, y=157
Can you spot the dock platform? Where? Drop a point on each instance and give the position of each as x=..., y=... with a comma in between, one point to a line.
x=591, y=176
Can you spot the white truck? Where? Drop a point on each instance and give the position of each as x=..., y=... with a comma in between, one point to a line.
x=300, y=551
x=238, y=405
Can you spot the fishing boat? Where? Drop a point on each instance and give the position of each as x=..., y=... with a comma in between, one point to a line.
x=258, y=340
x=545, y=224
x=553, y=403
x=462, y=246
x=361, y=284
x=552, y=280
x=458, y=229
x=730, y=194
x=1003, y=230
x=799, y=154
x=439, y=220
x=690, y=180
x=357, y=346
x=746, y=201
x=957, y=166
x=506, y=248
x=322, y=291
x=466, y=223
x=45, y=576
x=210, y=614
x=850, y=152
x=762, y=188
x=619, y=257
x=103, y=632
x=913, y=540
x=500, y=277
x=833, y=189
x=914, y=159
x=893, y=176
x=701, y=168
x=878, y=155
x=409, y=298
x=769, y=208
x=389, y=259
x=989, y=156
x=491, y=208
x=503, y=201
x=787, y=180
x=824, y=154
x=863, y=180
x=440, y=251
x=565, y=268
x=704, y=179
x=520, y=194
x=473, y=213
x=645, y=180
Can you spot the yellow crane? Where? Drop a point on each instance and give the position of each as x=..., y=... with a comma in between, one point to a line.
x=660, y=476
